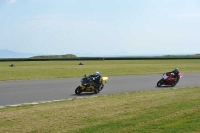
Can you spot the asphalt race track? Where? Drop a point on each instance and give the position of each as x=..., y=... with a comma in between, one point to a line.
x=28, y=91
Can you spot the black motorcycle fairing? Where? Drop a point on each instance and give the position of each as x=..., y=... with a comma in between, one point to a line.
x=86, y=81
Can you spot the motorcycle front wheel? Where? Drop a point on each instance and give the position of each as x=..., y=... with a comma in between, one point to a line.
x=160, y=82
x=78, y=90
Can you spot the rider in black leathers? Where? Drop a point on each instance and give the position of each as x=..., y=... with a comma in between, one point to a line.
x=176, y=73
x=97, y=78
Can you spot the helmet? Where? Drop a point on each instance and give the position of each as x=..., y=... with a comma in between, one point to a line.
x=96, y=73
x=176, y=70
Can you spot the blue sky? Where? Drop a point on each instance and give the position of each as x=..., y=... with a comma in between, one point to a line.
x=100, y=27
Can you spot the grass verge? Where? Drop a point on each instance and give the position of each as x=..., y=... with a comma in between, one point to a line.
x=171, y=110
x=66, y=69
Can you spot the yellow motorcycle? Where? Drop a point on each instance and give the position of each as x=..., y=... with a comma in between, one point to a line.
x=88, y=85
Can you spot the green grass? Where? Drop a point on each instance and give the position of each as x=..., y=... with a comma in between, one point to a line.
x=65, y=69
x=160, y=111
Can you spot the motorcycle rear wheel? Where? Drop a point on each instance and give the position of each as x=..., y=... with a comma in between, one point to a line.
x=102, y=85
x=96, y=91
x=173, y=84
x=78, y=90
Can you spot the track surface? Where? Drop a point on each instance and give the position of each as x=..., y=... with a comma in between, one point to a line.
x=28, y=91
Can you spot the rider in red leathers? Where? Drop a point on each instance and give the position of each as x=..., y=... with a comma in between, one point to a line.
x=176, y=73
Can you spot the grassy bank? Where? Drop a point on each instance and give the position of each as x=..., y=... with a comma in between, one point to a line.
x=63, y=69
x=163, y=111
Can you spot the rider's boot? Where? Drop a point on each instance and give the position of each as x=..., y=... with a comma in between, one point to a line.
x=96, y=90
x=173, y=82
x=100, y=87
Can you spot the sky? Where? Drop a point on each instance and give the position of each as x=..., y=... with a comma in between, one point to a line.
x=100, y=27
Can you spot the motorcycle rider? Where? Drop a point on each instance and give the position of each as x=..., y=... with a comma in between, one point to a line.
x=176, y=73
x=97, y=78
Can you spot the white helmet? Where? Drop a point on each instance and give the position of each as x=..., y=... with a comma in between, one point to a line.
x=176, y=70
x=96, y=73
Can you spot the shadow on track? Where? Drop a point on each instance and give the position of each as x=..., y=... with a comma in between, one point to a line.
x=164, y=86
x=84, y=94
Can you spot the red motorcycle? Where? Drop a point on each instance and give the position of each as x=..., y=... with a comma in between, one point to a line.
x=168, y=79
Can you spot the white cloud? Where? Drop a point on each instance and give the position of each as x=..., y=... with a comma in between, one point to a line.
x=11, y=1
x=188, y=15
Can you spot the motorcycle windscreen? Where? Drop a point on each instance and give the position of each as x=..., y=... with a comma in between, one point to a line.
x=165, y=76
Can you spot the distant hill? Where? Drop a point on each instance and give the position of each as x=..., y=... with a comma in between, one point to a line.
x=5, y=53
x=54, y=56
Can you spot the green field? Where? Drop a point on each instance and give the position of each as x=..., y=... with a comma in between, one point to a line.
x=65, y=69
